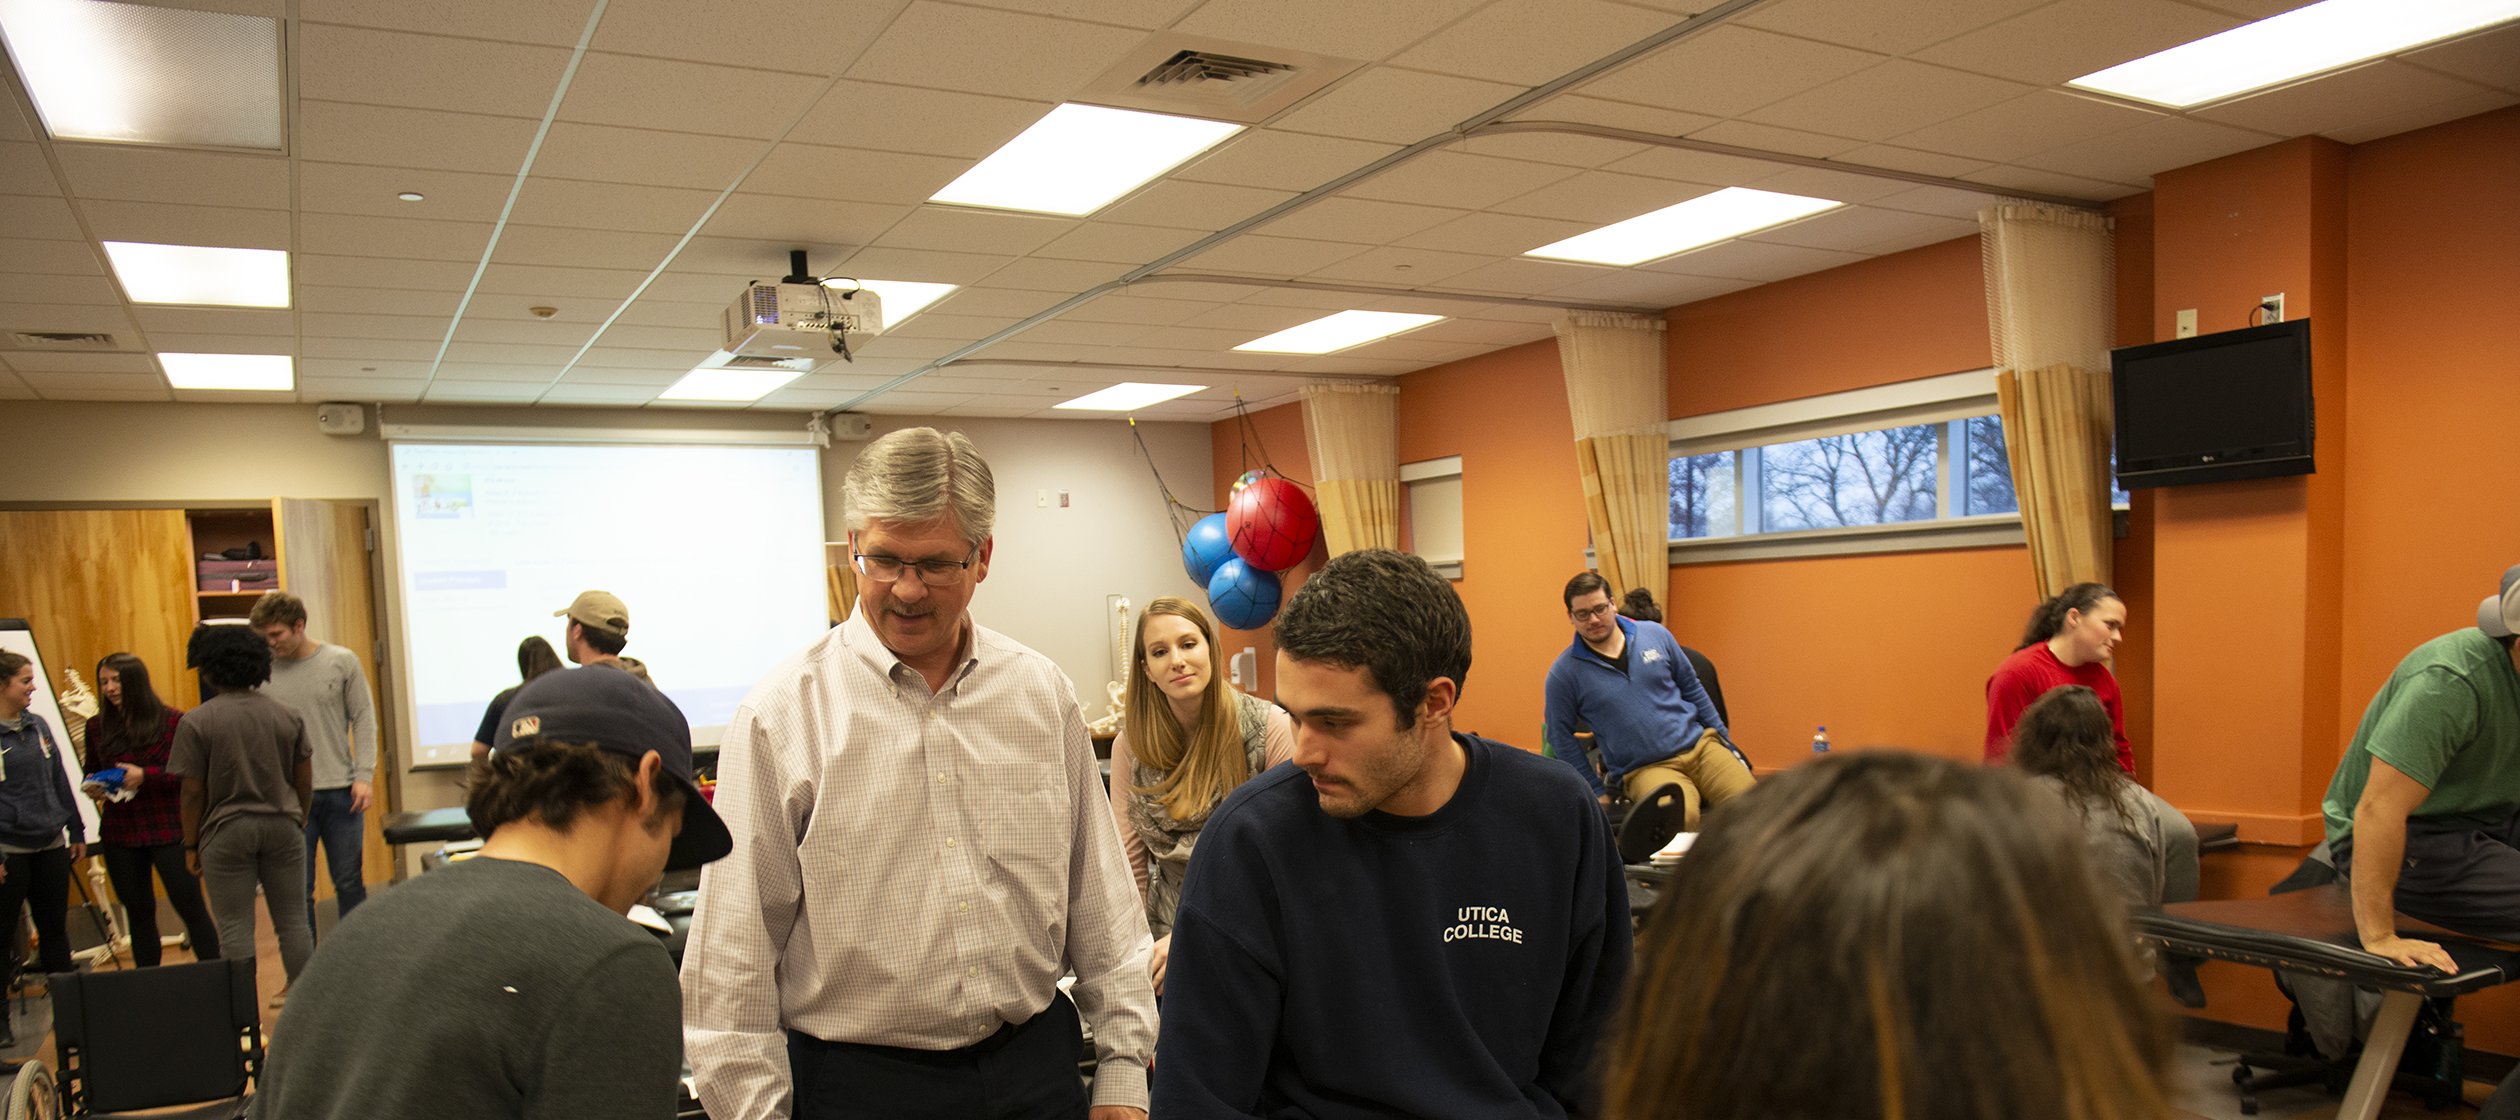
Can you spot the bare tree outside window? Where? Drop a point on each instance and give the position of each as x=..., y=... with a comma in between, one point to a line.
x=1862, y=478
x=1989, y=468
x=1702, y=496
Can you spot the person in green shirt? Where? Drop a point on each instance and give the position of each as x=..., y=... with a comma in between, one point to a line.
x=2424, y=811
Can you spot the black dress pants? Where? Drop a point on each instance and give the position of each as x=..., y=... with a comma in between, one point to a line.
x=1025, y=1071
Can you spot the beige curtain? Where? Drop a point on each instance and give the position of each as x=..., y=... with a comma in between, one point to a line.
x=840, y=584
x=1352, y=436
x=1615, y=389
x=2048, y=306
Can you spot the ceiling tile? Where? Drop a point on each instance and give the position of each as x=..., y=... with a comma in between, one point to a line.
x=1563, y=148
x=334, y=132
x=1943, y=201
x=1334, y=27
x=746, y=260
x=1008, y=54
x=1180, y=204
x=2012, y=177
x=1837, y=186
x=1600, y=197
x=1132, y=309
x=2483, y=101
x=444, y=391
x=38, y=218
x=1683, y=165
x=214, y=320
x=623, y=206
x=537, y=332
x=552, y=22
x=2343, y=102
x=1035, y=274
x=1728, y=71
x=1482, y=332
x=2492, y=58
x=379, y=390
x=649, y=378
x=797, y=220
x=1895, y=97
x=2136, y=154
x=1394, y=106
x=1255, y=318
x=1751, y=260
x=1118, y=242
x=649, y=311
x=410, y=71
x=923, y=349
x=1773, y=138
x=699, y=335
x=576, y=150
x=326, y=271
x=1950, y=229
x=821, y=36
x=13, y=124
x=1887, y=28
x=996, y=301
x=409, y=328
x=963, y=229
x=136, y=173
x=369, y=349
x=24, y=172
x=961, y=328
x=1457, y=179
x=66, y=317
x=2038, y=122
x=686, y=96
x=566, y=393
x=1399, y=266
x=126, y=395
x=813, y=171
x=2070, y=38
x=354, y=370
x=1363, y=221
x=25, y=360
x=1616, y=114
x=587, y=248
x=1261, y=255
x=495, y=371
x=32, y=287
x=1528, y=42
x=1853, y=228
x=1894, y=158
x=415, y=238
x=614, y=284
x=928, y=265
x=935, y=122
x=167, y=223
x=1282, y=160
x=51, y=384
x=342, y=188
x=1168, y=286
x=513, y=354
x=1496, y=235
x=171, y=342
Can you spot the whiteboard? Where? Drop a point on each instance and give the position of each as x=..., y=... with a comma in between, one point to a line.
x=17, y=636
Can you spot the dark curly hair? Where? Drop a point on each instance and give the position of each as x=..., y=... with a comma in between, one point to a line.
x=233, y=657
x=556, y=782
x=1386, y=612
x=2066, y=735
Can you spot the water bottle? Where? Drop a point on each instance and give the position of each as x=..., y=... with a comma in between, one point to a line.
x=1820, y=740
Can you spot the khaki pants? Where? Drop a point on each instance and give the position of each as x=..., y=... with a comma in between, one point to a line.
x=1707, y=774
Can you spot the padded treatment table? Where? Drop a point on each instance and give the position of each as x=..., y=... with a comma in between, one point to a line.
x=2312, y=931
x=439, y=825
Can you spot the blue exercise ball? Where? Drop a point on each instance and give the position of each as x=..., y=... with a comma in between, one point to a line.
x=1244, y=597
x=1205, y=547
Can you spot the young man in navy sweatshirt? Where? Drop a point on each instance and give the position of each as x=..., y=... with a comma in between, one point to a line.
x=1406, y=921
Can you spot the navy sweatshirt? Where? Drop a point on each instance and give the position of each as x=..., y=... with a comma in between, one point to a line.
x=1458, y=965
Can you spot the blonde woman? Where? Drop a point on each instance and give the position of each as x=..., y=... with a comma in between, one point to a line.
x=1188, y=740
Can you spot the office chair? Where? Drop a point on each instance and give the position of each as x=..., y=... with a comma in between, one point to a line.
x=150, y=1038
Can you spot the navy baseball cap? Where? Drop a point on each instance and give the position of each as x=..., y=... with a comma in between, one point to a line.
x=616, y=711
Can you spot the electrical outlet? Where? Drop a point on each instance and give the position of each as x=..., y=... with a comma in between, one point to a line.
x=2274, y=306
x=1041, y=499
x=2187, y=323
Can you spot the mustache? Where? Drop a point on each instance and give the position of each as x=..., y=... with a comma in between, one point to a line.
x=906, y=610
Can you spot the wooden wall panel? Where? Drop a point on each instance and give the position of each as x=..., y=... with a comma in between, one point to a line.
x=324, y=561
x=95, y=582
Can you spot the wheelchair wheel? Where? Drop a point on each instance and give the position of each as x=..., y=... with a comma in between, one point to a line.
x=32, y=1095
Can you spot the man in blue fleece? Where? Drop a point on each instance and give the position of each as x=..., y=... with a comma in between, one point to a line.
x=1651, y=720
x=1407, y=921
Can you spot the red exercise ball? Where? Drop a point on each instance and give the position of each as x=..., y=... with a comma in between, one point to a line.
x=1271, y=524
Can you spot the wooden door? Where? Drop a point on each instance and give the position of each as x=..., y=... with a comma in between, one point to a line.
x=324, y=549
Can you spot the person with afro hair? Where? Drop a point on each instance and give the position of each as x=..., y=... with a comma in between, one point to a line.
x=249, y=776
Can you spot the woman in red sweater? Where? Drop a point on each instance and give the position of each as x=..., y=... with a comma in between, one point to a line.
x=134, y=730
x=2069, y=641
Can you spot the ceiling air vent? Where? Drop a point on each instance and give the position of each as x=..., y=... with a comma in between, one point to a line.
x=1218, y=79
x=62, y=340
x=756, y=361
x=1203, y=66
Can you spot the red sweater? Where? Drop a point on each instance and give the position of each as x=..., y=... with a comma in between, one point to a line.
x=2027, y=675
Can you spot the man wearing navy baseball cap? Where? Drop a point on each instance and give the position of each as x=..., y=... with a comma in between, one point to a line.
x=510, y=984
x=2424, y=811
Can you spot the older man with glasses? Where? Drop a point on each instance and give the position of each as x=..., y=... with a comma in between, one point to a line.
x=922, y=850
x=1651, y=719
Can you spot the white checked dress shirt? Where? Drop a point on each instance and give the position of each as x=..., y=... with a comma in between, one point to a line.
x=910, y=869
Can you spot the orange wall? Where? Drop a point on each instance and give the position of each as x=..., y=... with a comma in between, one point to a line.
x=1894, y=318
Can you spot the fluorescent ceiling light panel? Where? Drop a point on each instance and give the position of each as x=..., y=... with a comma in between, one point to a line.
x=1080, y=157
x=2298, y=43
x=201, y=274
x=905, y=298
x=1338, y=332
x=1128, y=396
x=728, y=384
x=1695, y=224
x=275, y=373
x=149, y=75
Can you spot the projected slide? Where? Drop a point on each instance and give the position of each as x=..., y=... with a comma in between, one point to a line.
x=717, y=551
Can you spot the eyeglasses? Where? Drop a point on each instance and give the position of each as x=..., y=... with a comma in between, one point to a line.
x=934, y=573
x=1590, y=613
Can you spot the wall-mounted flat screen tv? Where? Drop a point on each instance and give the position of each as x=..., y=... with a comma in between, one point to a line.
x=2214, y=407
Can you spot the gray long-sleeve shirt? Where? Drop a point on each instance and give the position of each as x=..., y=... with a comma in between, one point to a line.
x=329, y=690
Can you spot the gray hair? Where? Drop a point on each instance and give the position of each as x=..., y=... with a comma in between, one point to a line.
x=918, y=475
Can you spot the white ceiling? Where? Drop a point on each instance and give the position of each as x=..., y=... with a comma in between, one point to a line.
x=690, y=149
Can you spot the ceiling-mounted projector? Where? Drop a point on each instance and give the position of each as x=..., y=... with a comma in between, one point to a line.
x=799, y=320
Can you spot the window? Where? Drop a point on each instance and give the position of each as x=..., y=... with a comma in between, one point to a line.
x=1430, y=499
x=1919, y=464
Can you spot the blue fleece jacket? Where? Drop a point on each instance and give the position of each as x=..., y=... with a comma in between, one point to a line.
x=1457, y=965
x=1654, y=711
